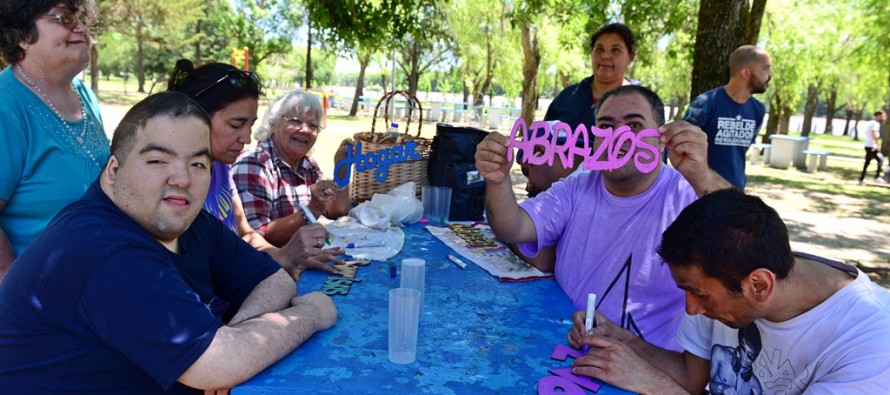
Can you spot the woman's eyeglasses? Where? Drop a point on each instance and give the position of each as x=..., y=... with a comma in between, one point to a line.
x=237, y=78
x=69, y=20
x=296, y=123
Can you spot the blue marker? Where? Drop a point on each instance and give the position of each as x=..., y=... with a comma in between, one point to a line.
x=366, y=244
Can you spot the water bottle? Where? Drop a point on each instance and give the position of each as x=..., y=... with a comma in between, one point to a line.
x=393, y=130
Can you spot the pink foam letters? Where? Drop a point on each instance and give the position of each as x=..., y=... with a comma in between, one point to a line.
x=565, y=382
x=607, y=148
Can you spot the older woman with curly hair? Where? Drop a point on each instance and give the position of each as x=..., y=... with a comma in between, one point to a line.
x=277, y=175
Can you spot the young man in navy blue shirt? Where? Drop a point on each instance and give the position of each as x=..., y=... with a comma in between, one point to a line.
x=730, y=115
x=114, y=296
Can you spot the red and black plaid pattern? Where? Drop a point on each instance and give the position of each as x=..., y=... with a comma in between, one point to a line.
x=270, y=188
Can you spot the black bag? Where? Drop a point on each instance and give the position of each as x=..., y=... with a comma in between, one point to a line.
x=452, y=164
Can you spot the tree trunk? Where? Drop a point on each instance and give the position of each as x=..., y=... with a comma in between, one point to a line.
x=359, y=85
x=786, y=119
x=772, y=122
x=414, y=72
x=682, y=102
x=531, y=59
x=721, y=29
x=809, y=109
x=466, y=92
x=849, y=116
x=755, y=17
x=308, y=81
x=140, y=60
x=94, y=69
x=383, y=82
x=859, y=115
x=830, y=110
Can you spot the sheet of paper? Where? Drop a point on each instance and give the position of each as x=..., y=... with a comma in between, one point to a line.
x=477, y=243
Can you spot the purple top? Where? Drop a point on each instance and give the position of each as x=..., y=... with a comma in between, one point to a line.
x=219, y=197
x=607, y=247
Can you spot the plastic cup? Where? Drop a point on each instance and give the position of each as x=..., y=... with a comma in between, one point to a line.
x=436, y=204
x=404, y=313
x=443, y=204
x=428, y=198
x=414, y=276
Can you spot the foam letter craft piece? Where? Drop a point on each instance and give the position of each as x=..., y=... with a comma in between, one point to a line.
x=341, y=285
x=565, y=382
x=606, y=156
x=381, y=160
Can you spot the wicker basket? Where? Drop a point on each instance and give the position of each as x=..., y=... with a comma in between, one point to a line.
x=364, y=185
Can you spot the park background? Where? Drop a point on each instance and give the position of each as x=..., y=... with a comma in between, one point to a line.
x=831, y=63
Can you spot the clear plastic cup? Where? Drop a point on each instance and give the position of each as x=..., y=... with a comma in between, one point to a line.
x=414, y=276
x=404, y=314
x=436, y=204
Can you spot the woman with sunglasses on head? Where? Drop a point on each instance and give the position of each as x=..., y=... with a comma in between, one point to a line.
x=52, y=144
x=230, y=96
x=277, y=176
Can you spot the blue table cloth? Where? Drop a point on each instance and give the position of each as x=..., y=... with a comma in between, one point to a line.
x=476, y=334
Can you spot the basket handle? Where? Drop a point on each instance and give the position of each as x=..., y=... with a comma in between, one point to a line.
x=411, y=103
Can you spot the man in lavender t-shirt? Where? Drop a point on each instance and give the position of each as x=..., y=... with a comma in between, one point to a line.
x=608, y=223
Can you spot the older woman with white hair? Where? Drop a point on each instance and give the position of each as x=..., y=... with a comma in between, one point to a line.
x=277, y=175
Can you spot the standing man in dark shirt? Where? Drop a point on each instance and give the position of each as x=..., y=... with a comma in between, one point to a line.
x=612, y=49
x=730, y=115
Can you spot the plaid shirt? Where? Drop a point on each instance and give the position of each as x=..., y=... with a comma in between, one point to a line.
x=269, y=187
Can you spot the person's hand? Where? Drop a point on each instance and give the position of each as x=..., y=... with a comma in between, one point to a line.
x=491, y=158
x=323, y=192
x=616, y=363
x=341, y=150
x=318, y=262
x=305, y=243
x=327, y=313
x=687, y=147
x=603, y=327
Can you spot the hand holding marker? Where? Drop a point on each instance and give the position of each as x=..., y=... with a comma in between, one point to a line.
x=311, y=218
x=589, y=320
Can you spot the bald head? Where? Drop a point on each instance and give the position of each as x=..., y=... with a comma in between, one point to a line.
x=745, y=56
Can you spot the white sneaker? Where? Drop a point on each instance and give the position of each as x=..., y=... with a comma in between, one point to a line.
x=880, y=181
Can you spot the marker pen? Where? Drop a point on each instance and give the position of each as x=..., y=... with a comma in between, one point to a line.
x=456, y=261
x=366, y=244
x=312, y=220
x=590, y=320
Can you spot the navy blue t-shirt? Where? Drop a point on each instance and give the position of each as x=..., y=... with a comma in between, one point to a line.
x=96, y=305
x=731, y=129
x=574, y=104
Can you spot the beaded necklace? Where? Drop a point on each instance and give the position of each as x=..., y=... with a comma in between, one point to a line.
x=80, y=137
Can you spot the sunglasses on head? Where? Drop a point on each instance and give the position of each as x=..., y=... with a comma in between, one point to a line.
x=237, y=78
x=70, y=19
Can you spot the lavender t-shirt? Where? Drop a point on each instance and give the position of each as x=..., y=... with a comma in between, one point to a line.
x=607, y=246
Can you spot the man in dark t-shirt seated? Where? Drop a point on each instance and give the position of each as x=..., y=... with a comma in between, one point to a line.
x=113, y=296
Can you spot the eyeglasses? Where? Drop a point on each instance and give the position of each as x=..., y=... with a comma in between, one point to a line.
x=296, y=123
x=69, y=20
x=237, y=78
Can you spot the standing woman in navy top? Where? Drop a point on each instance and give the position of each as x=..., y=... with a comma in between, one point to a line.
x=52, y=142
x=612, y=49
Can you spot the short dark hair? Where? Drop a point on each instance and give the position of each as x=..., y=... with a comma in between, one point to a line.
x=655, y=102
x=742, y=57
x=728, y=234
x=879, y=112
x=171, y=104
x=617, y=28
x=19, y=22
x=187, y=79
